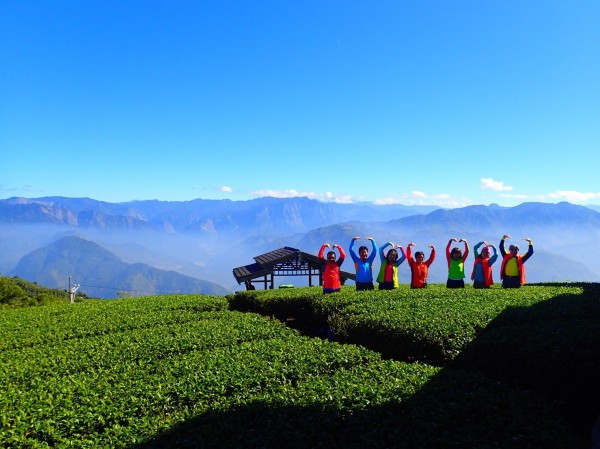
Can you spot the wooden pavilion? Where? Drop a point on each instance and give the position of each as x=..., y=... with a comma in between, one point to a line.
x=284, y=261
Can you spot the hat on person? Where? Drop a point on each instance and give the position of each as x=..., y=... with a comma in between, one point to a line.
x=515, y=247
x=486, y=249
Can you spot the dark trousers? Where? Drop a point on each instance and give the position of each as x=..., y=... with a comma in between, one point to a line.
x=364, y=286
x=386, y=285
x=455, y=283
x=511, y=282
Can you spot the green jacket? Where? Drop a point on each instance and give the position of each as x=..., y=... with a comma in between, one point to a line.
x=384, y=263
x=381, y=275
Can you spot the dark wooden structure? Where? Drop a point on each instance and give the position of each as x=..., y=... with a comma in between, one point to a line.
x=284, y=261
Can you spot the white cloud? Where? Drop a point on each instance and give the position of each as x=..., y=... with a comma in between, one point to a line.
x=225, y=189
x=574, y=197
x=414, y=198
x=490, y=184
x=418, y=198
x=292, y=193
x=514, y=196
x=570, y=196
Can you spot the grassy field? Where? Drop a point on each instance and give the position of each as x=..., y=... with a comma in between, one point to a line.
x=412, y=369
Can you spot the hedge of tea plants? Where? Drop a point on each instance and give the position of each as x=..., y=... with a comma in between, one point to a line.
x=542, y=337
x=16, y=292
x=184, y=371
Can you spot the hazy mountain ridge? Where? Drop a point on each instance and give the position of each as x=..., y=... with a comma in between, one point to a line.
x=261, y=215
x=206, y=239
x=566, y=237
x=101, y=273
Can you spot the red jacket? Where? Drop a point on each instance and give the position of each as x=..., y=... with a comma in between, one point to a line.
x=331, y=270
x=521, y=259
x=520, y=264
x=419, y=271
x=486, y=268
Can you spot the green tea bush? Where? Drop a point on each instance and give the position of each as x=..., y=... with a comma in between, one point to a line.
x=551, y=346
x=16, y=292
x=542, y=337
x=432, y=325
x=182, y=371
x=65, y=322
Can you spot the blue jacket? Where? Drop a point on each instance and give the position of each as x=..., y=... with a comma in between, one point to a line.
x=364, y=268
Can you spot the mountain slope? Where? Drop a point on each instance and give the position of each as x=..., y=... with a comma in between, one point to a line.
x=101, y=273
x=262, y=215
x=206, y=239
x=566, y=237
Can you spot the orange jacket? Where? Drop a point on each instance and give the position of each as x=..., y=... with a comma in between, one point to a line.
x=331, y=270
x=520, y=265
x=419, y=271
x=486, y=267
x=521, y=259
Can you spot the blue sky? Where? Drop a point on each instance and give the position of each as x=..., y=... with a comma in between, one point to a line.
x=414, y=102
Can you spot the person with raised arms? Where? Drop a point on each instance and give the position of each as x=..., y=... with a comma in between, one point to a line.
x=481, y=275
x=331, y=268
x=388, y=272
x=456, y=264
x=363, y=264
x=419, y=267
x=512, y=270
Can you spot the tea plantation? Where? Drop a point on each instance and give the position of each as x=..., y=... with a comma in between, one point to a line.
x=292, y=368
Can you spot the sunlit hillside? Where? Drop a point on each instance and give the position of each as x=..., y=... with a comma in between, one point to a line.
x=431, y=368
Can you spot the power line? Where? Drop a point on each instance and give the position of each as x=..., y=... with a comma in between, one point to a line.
x=128, y=290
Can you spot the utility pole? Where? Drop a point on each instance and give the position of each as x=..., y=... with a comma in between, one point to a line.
x=72, y=291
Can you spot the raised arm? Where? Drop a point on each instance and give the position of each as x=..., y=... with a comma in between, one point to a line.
x=402, y=258
x=371, y=257
x=381, y=255
x=354, y=256
x=494, y=256
x=466, y=251
x=476, y=248
x=502, y=250
x=453, y=239
x=529, y=249
x=342, y=257
x=431, y=256
x=322, y=250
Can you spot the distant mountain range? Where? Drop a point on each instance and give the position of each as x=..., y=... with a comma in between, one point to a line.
x=206, y=239
x=566, y=237
x=272, y=215
x=102, y=274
